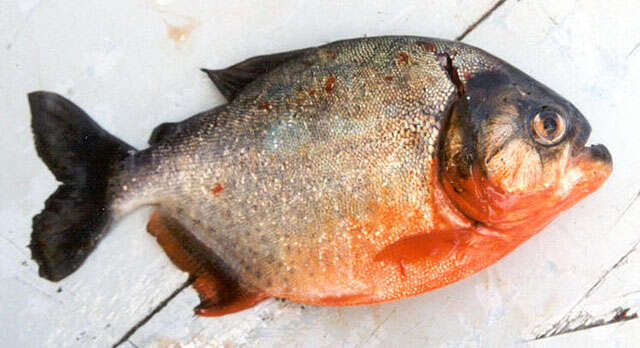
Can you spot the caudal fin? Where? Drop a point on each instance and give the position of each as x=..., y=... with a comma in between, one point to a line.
x=82, y=156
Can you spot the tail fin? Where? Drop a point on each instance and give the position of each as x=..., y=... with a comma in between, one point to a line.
x=82, y=156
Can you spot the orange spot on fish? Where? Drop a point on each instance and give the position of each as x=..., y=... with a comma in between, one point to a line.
x=403, y=58
x=388, y=78
x=466, y=75
x=428, y=46
x=402, y=267
x=330, y=82
x=312, y=92
x=331, y=54
x=217, y=189
x=265, y=106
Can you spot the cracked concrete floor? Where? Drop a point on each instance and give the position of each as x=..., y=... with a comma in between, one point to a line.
x=577, y=282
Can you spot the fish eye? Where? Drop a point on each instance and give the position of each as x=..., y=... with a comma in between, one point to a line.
x=548, y=127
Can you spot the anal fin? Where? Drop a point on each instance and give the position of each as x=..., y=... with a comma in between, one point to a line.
x=218, y=299
x=219, y=292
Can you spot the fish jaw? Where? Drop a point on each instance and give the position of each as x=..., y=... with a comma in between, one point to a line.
x=585, y=174
x=481, y=200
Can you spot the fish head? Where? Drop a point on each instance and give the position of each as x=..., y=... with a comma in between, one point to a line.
x=514, y=152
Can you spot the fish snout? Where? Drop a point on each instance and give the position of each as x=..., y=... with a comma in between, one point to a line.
x=600, y=153
x=590, y=169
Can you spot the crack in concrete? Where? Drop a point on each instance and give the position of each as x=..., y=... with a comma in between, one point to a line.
x=616, y=265
x=633, y=50
x=156, y=310
x=16, y=246
x=585, y=320
x=373, y=333
x=480, y=20
x=626, y=210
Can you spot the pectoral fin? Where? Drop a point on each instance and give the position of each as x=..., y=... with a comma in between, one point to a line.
x=219, y=291
x=434, y=246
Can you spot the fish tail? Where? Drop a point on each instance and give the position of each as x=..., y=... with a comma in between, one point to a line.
x=81, y=155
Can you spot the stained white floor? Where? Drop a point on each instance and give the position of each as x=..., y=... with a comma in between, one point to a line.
x=132, y=64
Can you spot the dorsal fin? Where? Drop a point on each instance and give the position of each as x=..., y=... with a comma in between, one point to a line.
x=232, y=80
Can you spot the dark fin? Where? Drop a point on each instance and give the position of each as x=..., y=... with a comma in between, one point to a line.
x=81, y=155
x=216, y=301
x=220, y=293
x=165, y=131
x=232, y=80
x=162, y=132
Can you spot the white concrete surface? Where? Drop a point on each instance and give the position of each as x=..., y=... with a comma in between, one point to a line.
x=132, y=64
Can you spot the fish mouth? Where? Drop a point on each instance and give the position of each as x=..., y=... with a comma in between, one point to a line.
x=595, y=161
x=600, y=153
x=587, y=171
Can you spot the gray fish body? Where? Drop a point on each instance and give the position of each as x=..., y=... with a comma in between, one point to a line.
x=357, y=172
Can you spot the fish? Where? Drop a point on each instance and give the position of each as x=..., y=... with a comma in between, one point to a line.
x=361, y=171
